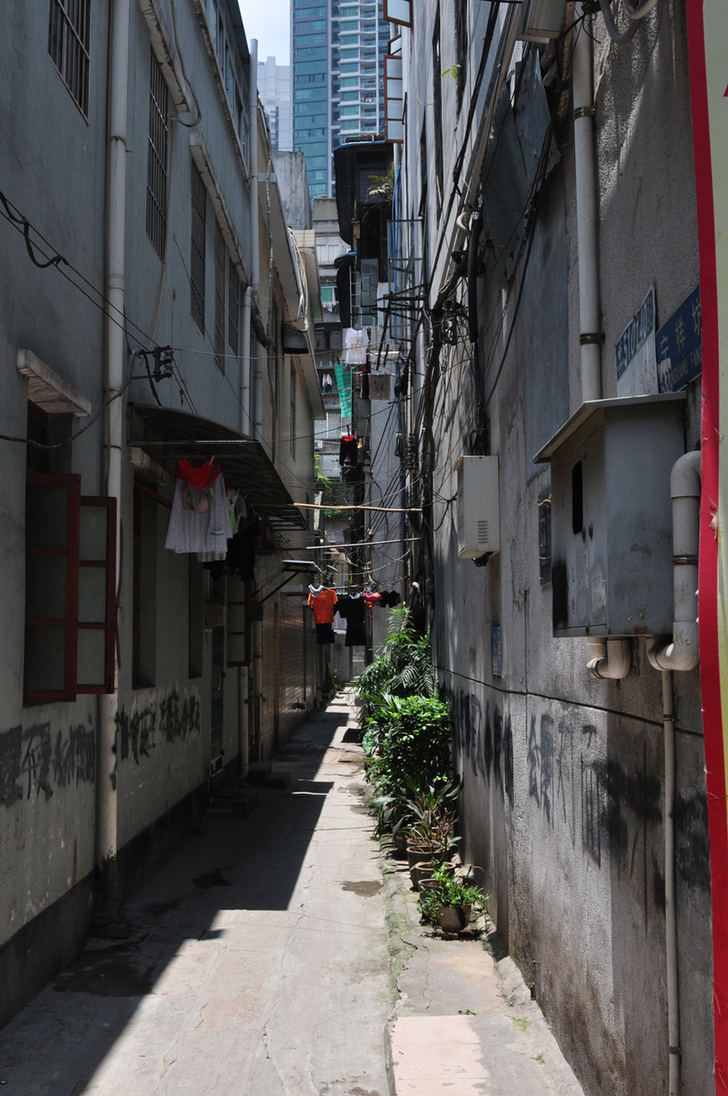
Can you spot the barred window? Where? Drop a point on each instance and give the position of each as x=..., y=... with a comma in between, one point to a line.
x=157, y=157
x=197, y=260
x=68, y=44
x=234, y=296
x=220, y=264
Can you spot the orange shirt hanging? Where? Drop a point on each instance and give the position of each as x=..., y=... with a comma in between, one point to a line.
x=323, y=606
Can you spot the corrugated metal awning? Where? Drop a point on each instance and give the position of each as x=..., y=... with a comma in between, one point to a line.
x=168, y=435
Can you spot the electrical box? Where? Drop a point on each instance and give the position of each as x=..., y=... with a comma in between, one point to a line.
x=478, y=507
x=611, y=515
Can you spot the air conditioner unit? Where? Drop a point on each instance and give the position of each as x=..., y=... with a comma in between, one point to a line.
x=478, y=507
x=542, y=20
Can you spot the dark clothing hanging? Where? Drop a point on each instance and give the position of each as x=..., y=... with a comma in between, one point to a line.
x=348, y=451
x=324, y=634
x=241, y=549
x=353, y=610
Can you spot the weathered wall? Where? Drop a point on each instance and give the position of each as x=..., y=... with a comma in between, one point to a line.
x=563, y=775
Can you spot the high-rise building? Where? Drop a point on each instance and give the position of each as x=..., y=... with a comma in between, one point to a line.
x=337, y=50
x=274, y=89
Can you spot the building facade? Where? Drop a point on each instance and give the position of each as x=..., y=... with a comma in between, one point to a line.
x=551, y=394
x=142, y=326
x=337, y=50
x=274, y=88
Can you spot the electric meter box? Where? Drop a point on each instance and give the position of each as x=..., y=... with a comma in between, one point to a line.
x=611, y=516
x=478, y=507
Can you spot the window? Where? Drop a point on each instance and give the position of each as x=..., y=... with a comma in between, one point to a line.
x=68, y=44
x=197, y=259
x=69, y=590
x=220, y=264
x=157, y=157
x=234, y=302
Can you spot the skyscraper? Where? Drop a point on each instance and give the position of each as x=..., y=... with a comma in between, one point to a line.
x=337, y=48
x=274, y=88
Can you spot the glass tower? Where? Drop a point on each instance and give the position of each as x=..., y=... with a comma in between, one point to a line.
x=337, y=48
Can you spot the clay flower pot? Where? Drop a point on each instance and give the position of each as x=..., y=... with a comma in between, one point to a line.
x=454, y=918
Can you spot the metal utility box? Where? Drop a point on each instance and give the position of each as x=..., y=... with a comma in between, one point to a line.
x=612, y=516
x=478, y=507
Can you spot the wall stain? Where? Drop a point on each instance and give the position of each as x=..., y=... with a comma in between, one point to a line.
x=487, y=743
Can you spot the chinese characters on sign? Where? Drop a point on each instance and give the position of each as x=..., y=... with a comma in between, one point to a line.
x=635, y=352
x=680, y=346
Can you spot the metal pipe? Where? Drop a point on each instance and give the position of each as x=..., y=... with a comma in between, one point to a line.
x=681, y=651
x=107, y=828
x=245, y=416
x=673, y=995
x=587, y=212
x=255, y=375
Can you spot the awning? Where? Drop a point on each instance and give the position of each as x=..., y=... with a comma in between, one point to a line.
x=167, y=435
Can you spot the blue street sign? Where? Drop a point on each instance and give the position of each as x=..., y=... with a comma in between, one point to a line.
x=679, y=346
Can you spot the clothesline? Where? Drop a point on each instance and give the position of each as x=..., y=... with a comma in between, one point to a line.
x=361, y=544
x=337, y=506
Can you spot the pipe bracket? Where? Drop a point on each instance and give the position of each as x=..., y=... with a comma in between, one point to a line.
x=585, y=112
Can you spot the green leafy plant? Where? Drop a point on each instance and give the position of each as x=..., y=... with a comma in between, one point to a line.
x=402, y=667
x=432, y=808
x=450, y=890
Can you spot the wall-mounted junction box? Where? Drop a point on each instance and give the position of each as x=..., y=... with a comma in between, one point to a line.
x=612, y=516
x=478, y=506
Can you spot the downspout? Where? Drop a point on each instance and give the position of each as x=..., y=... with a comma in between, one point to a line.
x=611, y=658
x=254, y=402
x=255, y=369
x=107, y=829
x=681, y=652
x=251, y=291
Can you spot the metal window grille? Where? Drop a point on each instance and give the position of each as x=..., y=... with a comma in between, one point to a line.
x=157, y=157
x=68, y=44
x=220, y=263
x=233, y=307
x=197, y=259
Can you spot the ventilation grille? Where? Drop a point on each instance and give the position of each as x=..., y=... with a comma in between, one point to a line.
x=483, y=532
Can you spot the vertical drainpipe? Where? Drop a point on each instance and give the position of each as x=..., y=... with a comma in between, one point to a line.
x=254, y=398
x=255, y=369
x=251, y=291
x=606, y=659
x=107, y=829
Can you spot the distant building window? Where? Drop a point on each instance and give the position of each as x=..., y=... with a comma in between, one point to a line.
x=68, y=44
x=157, y=157
x=220, y=263
x=197, y=256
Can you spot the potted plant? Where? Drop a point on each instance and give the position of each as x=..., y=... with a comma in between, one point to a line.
x=430, y=837
x=449, y=902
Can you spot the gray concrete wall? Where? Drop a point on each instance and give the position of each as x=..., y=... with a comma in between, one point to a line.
x=54, y=165
x=563, y=775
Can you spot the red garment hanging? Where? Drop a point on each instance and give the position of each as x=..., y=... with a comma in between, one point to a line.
x=197, y=477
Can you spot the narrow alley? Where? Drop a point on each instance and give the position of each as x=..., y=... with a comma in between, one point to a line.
x=280, y=954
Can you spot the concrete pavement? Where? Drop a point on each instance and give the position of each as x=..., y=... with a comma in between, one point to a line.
x=281, y=955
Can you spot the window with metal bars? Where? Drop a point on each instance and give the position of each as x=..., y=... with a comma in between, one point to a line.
x=68, y=44
x=220, y=264
x=197, y=258
x=234, y=295
x=157, y=157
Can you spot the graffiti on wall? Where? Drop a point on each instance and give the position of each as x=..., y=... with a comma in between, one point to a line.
x=35, y=761
x=158, y=723
x=613, y=805
x=485, y=740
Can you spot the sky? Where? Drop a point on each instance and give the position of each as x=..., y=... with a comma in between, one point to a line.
x=269, y=22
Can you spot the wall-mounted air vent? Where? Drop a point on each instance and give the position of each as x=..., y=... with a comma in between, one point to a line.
x=478, y=506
